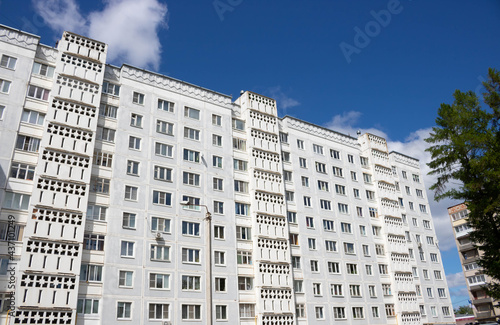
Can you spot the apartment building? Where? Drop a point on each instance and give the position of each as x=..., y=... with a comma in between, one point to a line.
x=130, y=196
x=485, y=308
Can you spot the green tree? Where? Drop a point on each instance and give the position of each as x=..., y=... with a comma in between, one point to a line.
x=463, y=310
x=465, y=151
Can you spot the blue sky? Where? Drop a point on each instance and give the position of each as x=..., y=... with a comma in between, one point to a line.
x=377, y=66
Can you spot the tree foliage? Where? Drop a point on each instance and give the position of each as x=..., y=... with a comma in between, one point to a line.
x=465, y=151
x=464, y=310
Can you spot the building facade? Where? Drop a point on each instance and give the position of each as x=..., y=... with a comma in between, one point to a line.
x=485, y=308
x=108, y=174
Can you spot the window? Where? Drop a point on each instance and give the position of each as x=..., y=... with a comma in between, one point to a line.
x=366, y=250
x=370, y=195
x=389, y=310
x=238, y=124
x=8, y=62
x=190, y=179
x=317, y=289
x=87, y=306
x=294, y=239
x=339, y=313
x=134, y=143
x=287, y=175
x=125, y=278
x=359, y=211
x=320, y=167
x=355, y=193
x=307, y=201
x=410, y=205
x=340, y=189
x=285, y=156
x=427, y=224
x=309, y=222
x=352, y=268
x=190, y=255
x=245, y=283
x=190, y=228
x=325, y=204
x=367, y=178
x=191, y=312
x=311, y=242
x=369, y=270
x=127, y=249
x=305, y=181
x=430, y=240
x=242, y=209
x=240, y=186
x=165, y=105
x=193, y=203
x=164, y=150
x=373, y=212
x=164, y=127
x=162, y=198
x=22, y=171
x=354, y=177
x=414, y=222
x=91, y=273
x=243, y=233
x=408, y=191
x=416, y=178
x=441, y=293
x=32, y=117
x=434, y=257
x=415, y=272
x=349, y=248
x=33, y=91
x=220, y=312
x=300, y=310
x=158, y=311
x=419, y=193
x=244, y=257
x=132, y=168
x=240, y=165
x=110, y=89
x=160, y=253
x=106, y=134
x=446, y=311
x=346, y=227
x=333, y=267
x=218, y=184
x=138, y=98
x=330, y=245
x=350, y=159
x=376, y=231
x=335, y=154
x=318, y=149
x=219, y=258
x=357, y=313
x=106, y=110
x=128, y=220
x=219, y=232
x=337, y=171
x=328, y=225
x=26, y=143
x=404, y=174
x=296, y=262
x=383, y=269
x=314, y=266
x=343, y=208
x=163, y=173
x=437, y=275
x=362, y=230
x=430, y=293
x=239, y=144
x=191, y=155
x=297, y=286
x=159, y=281
x=303, y=162
x=379, y=249
x=319, y=312
x=292, y=217
x=43, y=70
x=247, y=310
x=422, y=310
x=386, y=289
x=423, y=208
x=216, y=120
x=218, y=207
x=160, y=224
x=220, y=285
x=192, y=134
x=99, y=185
x=289, y=196
x=191, y=113
x=5, y=87
x=336, y=290
x=216, y=140
x=96, y=212
x=2, y=109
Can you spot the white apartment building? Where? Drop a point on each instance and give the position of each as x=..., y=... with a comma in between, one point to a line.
x=107, y=175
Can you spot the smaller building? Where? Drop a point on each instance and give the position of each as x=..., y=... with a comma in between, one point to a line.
x=465, y=319
x=484, y=306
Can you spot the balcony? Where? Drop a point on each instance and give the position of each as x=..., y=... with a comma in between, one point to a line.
x=465, y=247
x=463, y=233
x=481, y=315
x=484, y=300
x=471, y=259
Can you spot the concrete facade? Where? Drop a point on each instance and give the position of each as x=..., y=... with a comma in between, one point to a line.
x=108, y=173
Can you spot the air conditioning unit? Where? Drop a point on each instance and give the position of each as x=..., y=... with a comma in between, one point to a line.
x=158, y=235
x=167, y=323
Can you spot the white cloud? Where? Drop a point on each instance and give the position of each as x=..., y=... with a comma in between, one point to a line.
x=129, y=27
x=455, y=280
x=283, y=101
x=413, y=146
